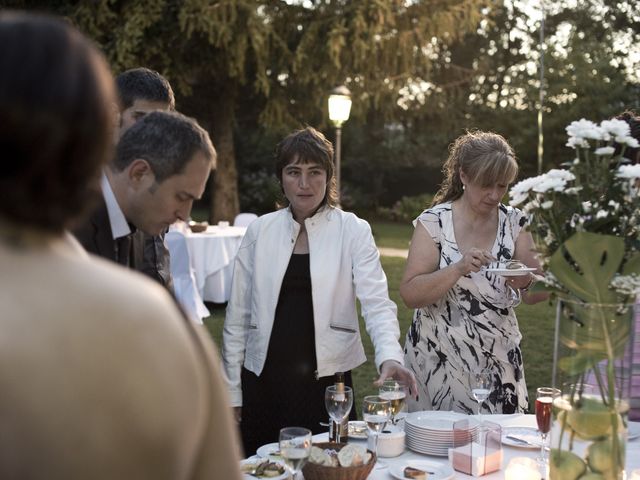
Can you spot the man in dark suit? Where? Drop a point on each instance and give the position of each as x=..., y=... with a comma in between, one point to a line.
x=141, y=91
x=161, y=166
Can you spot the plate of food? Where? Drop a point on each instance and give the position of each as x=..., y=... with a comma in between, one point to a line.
x=270, y=451
x=357, y=430
x=263, y=468
x=521, y=437
x=510, y=269
x=421, y=470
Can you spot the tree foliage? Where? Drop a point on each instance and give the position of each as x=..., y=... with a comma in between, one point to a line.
x=284, y=56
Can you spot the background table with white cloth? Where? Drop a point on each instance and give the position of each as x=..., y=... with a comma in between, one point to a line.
x=212, y=254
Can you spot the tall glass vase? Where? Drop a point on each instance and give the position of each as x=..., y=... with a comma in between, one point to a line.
x=592, y=368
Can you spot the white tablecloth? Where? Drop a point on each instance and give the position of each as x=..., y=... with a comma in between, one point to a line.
x=633, y=451
x=212, y=254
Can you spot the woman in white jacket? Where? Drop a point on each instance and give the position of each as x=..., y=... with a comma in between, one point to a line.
x=291, y=322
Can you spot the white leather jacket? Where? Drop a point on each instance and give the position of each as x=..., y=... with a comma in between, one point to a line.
x=344, y=264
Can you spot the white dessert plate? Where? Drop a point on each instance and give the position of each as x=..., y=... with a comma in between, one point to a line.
x=270, y=451
x=437, y=421
x=248, y=476
x=510, y=272
x=527, y=434
x=437, y=471
x=357, y=430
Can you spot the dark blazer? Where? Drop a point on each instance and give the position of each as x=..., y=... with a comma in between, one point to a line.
x=96, y=237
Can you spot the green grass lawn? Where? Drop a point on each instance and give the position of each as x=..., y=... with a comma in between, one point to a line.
x=536, y=322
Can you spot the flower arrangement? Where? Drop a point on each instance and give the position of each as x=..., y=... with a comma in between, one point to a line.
x=585, y=219
x=596, y=193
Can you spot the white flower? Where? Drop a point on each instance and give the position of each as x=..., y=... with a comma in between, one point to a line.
x=605, y=151
x=614, y=204
x=550, y=182
x=585, y=129
x=577, y=142
x=628, y=141
x=628, y=171
x=519, y=192
x=547, y=205
x=602, y=214
x=626, y=284
x=565, y=175
x=616, y=128
x=586, y=206
x=573, y=190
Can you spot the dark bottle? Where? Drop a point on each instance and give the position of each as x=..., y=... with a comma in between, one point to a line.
x=338, y=432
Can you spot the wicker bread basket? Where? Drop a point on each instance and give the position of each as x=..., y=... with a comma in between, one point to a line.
x=313, y=471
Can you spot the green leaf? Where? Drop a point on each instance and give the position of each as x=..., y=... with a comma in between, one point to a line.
x=597, y=259
x=632, y=265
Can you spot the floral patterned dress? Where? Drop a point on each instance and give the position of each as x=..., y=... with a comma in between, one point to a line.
x=469, y=329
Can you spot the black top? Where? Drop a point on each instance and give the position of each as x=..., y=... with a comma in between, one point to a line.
x=287, y=392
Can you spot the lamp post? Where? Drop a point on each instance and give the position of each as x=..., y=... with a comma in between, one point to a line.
x=339, y=108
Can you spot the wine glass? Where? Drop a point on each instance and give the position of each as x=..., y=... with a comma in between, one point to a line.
x=544, y=404
x=376, y=412
x=295, y=447
x=481, y=383
x=396, y=393
x=338, y=401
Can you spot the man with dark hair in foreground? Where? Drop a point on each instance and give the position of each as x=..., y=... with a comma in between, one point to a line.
x=161, y=166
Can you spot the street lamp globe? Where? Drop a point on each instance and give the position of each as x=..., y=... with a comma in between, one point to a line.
x=339, y=105
x=339, y=109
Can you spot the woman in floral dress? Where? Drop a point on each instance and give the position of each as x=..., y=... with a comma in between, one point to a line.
x=464, y=319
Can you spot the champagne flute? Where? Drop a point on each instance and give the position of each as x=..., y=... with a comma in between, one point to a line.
x=544, y=404
x=338, y=400
x=481, y=383
x=376, y=412
x=396, y=393
x=295, y=447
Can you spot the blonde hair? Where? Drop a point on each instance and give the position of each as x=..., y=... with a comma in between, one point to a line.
x=485, y=157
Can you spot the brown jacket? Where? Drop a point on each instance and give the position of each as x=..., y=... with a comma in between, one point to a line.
x=101, y=377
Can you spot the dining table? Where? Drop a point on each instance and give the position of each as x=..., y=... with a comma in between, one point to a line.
x=385, y=465
x=212, y=253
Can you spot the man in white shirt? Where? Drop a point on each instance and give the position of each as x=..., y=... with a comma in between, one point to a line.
x=161, y=166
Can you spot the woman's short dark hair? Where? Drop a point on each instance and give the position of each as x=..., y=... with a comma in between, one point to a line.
x=308, y=146
x=56, y=121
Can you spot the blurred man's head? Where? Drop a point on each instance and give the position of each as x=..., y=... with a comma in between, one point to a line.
x=161, y=166
x=141, y=91
x=56, y=118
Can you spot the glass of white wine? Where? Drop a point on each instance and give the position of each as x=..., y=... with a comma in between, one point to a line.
x=295, y=447
x=338, y=400
x=396, y=393
x=481, y=384
x=376, y=412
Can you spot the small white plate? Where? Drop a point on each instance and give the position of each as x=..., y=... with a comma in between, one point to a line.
x=438, y=471
x=633, y=430
x=247, y=476
x=269, y=451
x=357, y=430
x=530, y=434
x=510, y=272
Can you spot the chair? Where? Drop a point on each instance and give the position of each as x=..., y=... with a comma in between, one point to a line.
x=244, y=219
x=184, y=282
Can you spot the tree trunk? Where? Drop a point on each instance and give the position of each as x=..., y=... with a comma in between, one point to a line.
x=225, y=204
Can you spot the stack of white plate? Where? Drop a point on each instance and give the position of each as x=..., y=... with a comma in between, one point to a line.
x=432, y=433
